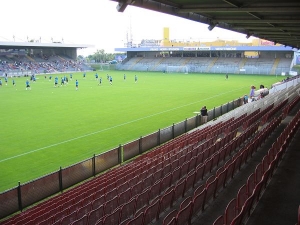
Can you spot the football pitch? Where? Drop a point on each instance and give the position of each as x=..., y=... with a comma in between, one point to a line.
x=49, y=127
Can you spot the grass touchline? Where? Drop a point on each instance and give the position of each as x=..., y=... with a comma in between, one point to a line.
x=109, y=128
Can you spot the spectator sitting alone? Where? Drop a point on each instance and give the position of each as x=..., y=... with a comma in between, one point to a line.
x=204, y=114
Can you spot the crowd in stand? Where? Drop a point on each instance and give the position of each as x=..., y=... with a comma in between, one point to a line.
x=40, y=64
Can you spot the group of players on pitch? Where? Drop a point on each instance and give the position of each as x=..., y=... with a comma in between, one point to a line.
x=64, y=80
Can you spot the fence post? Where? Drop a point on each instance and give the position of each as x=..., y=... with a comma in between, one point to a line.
x=94, y=165
x=227, y=107
x=140, y=145
x=120, y=155
x=233, y=105
x=158, y=137
x=173, y=131
x=221, y=109
x=20, y=197
x=60, y=179
x=185, y=125
x=214, y=114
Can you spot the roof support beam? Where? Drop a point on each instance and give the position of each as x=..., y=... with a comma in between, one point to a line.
x=123, y=4
x=204, y=9
x=239, y=20
x=274, y=28
x=231, y=3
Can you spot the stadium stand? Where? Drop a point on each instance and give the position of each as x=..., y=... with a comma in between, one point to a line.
x=20, y=65
x=259, y=65
x=262, y=65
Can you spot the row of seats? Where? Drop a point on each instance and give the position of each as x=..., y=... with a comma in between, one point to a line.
x=110, y=186
x=273, y=111
x=223, y=175
x=193, y=177
x=162, y=184
x=246, y=190
x=239, y=208
x=70, y=200
x=262, y=137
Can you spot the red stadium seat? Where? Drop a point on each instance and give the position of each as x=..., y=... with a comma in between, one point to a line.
x=179, y=190
x=184, y=215
x=137, y=220
x=230, y=212
x=199, y=173
x=81, y=221
x=166, y=182
x=175, y=175
x=111, y=205
x=211, y=190
x=155, y=190
x=170, y=218
x=166, y=201
x=96, y=214
x=185, y=202
x=112, y=218
x=125, y=196
x=151, y=212
x=190, y=181
x=199, y=201
x=142, y=199
x=128, y=210
x=219, y=221
x=242, y=196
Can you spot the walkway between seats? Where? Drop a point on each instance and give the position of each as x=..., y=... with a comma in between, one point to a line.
x=280, y=201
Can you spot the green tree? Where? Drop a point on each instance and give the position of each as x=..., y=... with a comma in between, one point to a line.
x=100, y=56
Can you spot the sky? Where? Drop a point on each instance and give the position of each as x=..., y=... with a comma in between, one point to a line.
x=97, y=23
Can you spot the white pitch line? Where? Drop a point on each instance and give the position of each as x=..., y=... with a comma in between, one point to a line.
x=110, y=128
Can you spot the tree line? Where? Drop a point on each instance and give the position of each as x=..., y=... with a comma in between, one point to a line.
x=100, y=56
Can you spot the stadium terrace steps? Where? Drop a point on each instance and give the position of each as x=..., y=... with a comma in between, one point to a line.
x=31, y=59
x=136, y=61
x=275, y=65
x=242, y=64
x=212, y=63
x=185, y=62
x=157, y=63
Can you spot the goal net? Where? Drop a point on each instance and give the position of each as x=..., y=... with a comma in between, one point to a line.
x=177, y=69
x=104, y=67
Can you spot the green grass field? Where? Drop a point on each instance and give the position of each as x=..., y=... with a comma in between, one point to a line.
x=47, y=127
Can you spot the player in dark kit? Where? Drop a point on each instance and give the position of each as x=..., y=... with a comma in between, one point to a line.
x=76, y=84
x=28, y=85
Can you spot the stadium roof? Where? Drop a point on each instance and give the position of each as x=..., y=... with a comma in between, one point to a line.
x=276, y=21
x=37, y=45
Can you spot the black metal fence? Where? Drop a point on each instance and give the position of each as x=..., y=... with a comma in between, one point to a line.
x=24, y=195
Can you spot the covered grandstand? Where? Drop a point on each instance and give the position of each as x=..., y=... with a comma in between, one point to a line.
x=26, y=58
x=257, y=57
